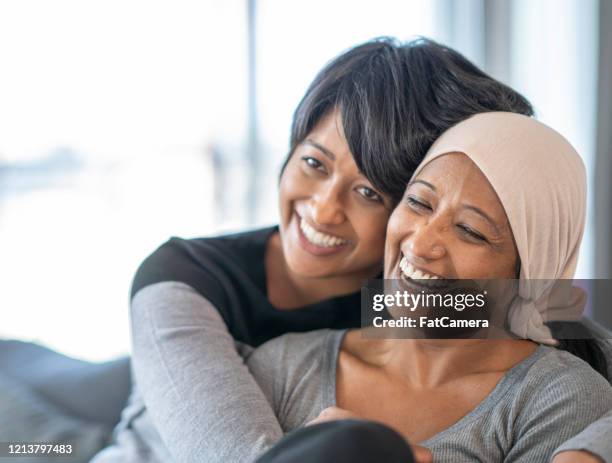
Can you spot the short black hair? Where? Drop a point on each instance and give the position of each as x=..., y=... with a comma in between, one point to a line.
x=395, y=99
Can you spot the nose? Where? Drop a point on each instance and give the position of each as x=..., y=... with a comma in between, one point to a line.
x=427, y=241
x=326, y=206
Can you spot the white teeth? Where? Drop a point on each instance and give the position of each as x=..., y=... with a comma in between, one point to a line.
x=318, y=238
x=409, y=271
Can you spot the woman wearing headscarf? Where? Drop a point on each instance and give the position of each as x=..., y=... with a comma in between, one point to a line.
x=498, y=197
x=362, y=127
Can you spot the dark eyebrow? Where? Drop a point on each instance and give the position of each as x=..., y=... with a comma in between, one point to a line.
x=321, y=148
x=483, y=214
x=427, y=184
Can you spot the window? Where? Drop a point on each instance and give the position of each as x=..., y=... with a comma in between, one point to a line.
x=123, y=123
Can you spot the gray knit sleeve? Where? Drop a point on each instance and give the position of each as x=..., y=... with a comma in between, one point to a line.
x=204, y=403
x=293, y=370
x=597, y=439
x=568, y=397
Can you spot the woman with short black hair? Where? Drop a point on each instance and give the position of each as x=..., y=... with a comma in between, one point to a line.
x=359, y=132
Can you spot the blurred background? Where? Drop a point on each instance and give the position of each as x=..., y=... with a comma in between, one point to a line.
x=123, y=123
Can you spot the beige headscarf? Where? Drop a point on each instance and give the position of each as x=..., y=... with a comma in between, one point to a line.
x=541, y=182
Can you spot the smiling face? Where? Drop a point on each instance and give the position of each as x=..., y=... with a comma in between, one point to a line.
x=450, y=224
x=332, y=219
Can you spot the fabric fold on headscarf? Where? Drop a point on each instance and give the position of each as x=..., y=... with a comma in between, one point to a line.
x=540, y=180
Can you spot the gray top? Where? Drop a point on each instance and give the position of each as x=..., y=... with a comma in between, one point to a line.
x=203, y=405
x=597, y=438
x=537, y=405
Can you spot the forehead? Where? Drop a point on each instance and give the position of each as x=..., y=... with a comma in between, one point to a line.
x=452, y=170
x=328, y=137
x=453, y=165
x=457, y=175
x=329, y=128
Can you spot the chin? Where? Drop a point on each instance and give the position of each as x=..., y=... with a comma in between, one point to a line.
x=310, y=270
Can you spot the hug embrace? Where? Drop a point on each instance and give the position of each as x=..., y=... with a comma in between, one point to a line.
x=405, y=162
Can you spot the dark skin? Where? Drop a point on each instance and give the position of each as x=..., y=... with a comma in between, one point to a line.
x=576, y=456
x=421, y=387
x=322, y=186
x=335, y=193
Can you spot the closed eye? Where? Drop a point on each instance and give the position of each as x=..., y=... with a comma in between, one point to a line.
x=469, y=232
x=417, y=205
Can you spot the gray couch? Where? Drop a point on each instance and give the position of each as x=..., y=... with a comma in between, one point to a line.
x=48, y=397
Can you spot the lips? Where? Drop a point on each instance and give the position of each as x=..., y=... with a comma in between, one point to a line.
x=318, y=238
x=317, y=242
x=409, y=271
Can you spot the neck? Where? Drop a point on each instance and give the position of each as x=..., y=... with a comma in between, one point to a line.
x=432, y=362
x=287, y=289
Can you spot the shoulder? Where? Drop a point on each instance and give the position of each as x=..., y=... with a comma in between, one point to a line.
x=293, y=358
x=556, y=366
x=293, y=371
x=605, y=344
x=357, y=346
x=197, y=261
x=289, y=352
x=561, y=386
x=249, y=242
x=554, y=397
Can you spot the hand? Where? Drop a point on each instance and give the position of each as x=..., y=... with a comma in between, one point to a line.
x=334, y=414
x=576, y=456
x=421, y=454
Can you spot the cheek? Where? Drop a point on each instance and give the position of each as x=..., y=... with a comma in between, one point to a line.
x=482, y=263
x=291, y=184
x=509, y=265
x=400, y=224
x=371, y=229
